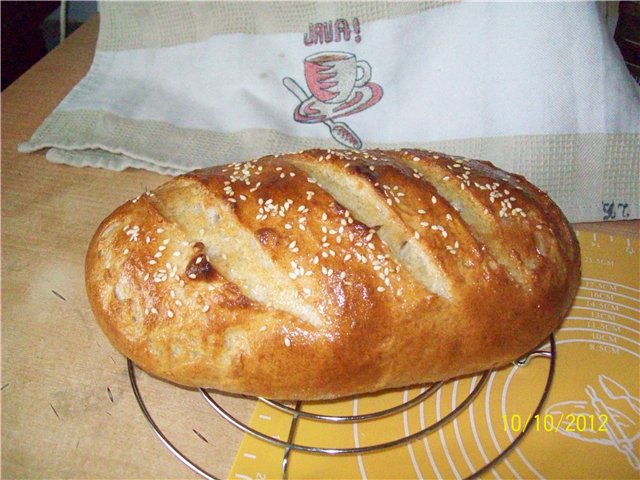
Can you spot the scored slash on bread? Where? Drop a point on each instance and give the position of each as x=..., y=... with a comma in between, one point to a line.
x=328, y=273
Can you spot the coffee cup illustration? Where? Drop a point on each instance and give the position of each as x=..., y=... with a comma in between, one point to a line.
x=339, y=87
x=332, y=76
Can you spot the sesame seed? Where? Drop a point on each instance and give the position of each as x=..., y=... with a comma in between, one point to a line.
x=170, y=313
x=205, y=309
x=381, y=289
x=154, y=310
x=287, y=342
x=263, y=328
x=192, y=276
x=433, y=199
x=176, y=254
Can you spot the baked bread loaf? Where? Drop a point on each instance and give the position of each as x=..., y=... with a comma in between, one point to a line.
x=328, y=273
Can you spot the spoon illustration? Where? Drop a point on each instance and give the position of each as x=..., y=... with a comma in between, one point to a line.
x=340, y=131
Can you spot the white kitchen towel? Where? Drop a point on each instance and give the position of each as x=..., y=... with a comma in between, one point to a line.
x=537, y=88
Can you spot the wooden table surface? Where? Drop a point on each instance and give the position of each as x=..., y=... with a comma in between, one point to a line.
x=67, y=406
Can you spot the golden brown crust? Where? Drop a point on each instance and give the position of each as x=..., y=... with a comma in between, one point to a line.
x=252, y=278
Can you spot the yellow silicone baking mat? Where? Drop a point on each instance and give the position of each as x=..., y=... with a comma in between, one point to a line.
x=589, y=426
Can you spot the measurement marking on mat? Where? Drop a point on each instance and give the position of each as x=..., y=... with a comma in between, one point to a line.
x=265, y=417
x=249, y=455
x=244, y=477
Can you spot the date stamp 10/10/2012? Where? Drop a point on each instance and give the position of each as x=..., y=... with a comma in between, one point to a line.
x=551, y=423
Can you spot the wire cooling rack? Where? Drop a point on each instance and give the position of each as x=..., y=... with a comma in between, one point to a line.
x=296, y=413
